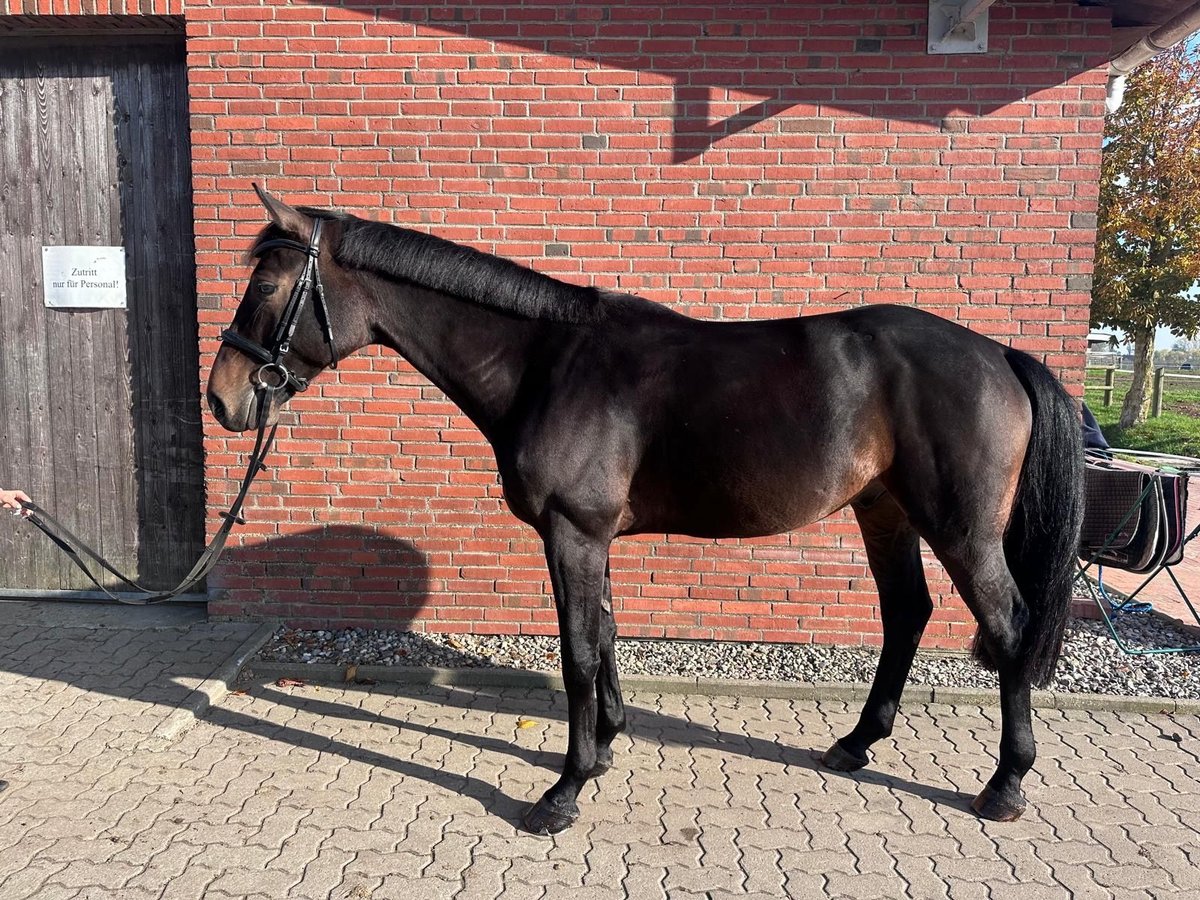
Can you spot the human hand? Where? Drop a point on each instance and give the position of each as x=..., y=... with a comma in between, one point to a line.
x=12, y=500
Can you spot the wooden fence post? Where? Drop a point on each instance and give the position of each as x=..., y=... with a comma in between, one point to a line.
x=1156, y=398
x=1110, y=375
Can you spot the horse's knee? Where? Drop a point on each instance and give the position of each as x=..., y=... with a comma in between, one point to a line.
x=1002, y=642
x=580, y=671
x=608, y=628
x=611, y=719
x=992, y=595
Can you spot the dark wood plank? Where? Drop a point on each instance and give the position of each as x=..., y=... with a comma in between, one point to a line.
x=151, y=103
x=22, y=365
x=116, y=484
x=74, y=367
x=32, y=405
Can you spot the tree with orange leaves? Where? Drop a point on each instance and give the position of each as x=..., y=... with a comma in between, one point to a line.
x=1148, y=240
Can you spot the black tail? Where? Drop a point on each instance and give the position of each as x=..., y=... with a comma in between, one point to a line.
x=1043, y=538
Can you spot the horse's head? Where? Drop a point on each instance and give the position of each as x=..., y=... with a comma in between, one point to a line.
x=291, y=324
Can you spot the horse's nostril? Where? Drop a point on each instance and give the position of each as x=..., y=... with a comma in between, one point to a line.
x=217, y=407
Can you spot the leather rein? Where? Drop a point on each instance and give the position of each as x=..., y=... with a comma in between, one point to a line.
x=272, y=377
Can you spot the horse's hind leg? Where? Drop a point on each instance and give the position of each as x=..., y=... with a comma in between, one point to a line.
x=894, y=554
x=610, y=706
x=1001, y=798
x=987, y=586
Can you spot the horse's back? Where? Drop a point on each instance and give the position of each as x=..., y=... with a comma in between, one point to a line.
x=761, y=427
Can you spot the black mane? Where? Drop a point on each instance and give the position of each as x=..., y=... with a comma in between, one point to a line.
x=450, y=268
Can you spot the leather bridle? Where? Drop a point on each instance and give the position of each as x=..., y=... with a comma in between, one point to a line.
x=273, y=375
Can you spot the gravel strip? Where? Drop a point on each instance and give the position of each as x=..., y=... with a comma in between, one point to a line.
x=1091, y=661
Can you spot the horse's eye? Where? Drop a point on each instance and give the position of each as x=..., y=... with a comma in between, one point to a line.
x=266, y=288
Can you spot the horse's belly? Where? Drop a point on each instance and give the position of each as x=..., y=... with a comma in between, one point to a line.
x=761, y=460
x=740, y=501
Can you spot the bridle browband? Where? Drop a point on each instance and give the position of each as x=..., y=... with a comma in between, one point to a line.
x=273, y=374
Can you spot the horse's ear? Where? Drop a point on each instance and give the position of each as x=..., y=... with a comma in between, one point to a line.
x=290, y=220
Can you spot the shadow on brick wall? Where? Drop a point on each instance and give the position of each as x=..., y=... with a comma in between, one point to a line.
x=356, y=575
x=718, y=68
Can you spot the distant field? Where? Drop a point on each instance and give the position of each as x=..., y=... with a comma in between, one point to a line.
x=1176, y=431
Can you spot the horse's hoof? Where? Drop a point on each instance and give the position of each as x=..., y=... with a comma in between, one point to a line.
x=604, y=761
x=991, y=805
x=548, y=818
x=840, y=759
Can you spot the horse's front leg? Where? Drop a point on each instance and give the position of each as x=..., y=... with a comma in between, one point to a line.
x=577, y=565
x=610, y=718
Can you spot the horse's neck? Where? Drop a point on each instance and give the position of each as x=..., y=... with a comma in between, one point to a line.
x=476, y=355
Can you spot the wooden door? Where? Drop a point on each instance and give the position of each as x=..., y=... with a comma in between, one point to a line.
x=99, y=408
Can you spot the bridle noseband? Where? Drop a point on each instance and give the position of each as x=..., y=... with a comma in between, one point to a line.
x=273, y=375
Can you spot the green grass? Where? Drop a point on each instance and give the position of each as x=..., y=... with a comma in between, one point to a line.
x=1177, y=430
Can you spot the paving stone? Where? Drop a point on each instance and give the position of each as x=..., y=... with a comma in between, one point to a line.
x=645, y=882
x=324, y=873
x=1177, y=863
x=917, y=874
x=396, y=888
x=589, y=892
x=1027, y=891
x=165, y=866
x=962, y=869
x=191, y=885
x=1121, y=879
x=30, y=879
x=484, y=879
x=805, y=885
x=243, y=881
x=56, y=891
x=702, y=879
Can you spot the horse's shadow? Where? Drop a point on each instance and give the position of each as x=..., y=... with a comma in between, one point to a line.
x=358, y=576
x=46, y=642
x=644, y=724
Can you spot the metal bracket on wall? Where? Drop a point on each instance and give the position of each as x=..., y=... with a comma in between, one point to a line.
x=958, y=26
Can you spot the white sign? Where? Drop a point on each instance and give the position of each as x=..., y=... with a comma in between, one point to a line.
x=83, y=277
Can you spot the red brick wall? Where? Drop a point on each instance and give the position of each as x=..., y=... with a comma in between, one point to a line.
x=733, y=159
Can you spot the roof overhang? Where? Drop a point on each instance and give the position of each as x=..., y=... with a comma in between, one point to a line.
x=1153, y=25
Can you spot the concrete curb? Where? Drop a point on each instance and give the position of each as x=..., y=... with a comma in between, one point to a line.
x=327, y=673
x=211, y=689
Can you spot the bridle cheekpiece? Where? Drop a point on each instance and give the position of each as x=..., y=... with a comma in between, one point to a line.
x=273, y=375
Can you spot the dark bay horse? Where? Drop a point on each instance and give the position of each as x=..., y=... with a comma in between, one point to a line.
x=610, y=415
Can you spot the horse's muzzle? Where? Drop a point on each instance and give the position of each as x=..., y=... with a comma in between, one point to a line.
x=245, y=416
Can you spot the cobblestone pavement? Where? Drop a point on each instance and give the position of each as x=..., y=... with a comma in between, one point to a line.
x=416, y=792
